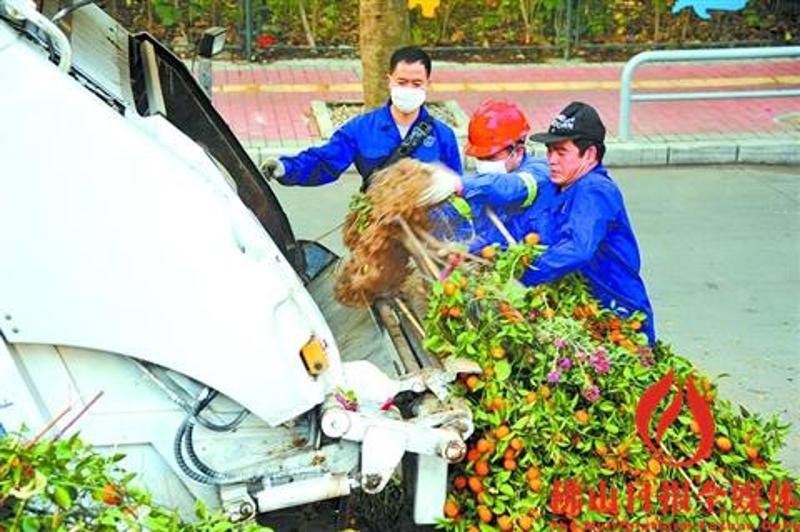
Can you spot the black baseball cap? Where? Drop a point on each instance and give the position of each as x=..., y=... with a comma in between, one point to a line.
x=578, y=120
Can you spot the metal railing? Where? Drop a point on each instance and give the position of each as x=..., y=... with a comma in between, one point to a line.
x=626, y=95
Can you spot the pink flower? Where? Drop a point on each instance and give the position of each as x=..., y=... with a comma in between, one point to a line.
x=646, y=357
x=446, y=271
x=352, y=406
x=592, y=393
x=453, y=260
x=565, y=363
x=554, y=376
x=600, y=362
x=601, y=351
x=560, y=343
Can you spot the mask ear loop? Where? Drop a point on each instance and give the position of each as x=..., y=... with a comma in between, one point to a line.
x=585, y=166
x=515, y=148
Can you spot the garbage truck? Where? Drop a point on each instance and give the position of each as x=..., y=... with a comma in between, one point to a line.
x=151, y=285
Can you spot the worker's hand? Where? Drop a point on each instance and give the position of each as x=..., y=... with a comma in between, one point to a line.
x=272, y=168
x=444, y=183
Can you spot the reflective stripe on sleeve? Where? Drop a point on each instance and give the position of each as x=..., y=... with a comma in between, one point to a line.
x=533, y=188
x=462, y=206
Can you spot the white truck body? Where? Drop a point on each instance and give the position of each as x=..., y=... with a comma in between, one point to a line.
x=132, y=264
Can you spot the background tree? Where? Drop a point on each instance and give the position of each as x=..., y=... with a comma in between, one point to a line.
x=383, y=27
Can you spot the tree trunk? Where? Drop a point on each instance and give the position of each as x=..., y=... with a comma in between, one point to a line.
x=383, y=27
x=657, y=24
x=685, y=27
x=658, y=7
x=306, y=28
x=448, y=9
x=526, y=23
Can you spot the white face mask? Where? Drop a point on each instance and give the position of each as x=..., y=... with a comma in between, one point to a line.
x=408, y=99
x=490, y=167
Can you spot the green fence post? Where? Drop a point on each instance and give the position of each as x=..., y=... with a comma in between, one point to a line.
x=568, y=33
x=248, y=29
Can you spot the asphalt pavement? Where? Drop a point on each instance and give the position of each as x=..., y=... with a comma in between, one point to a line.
x=721, y=258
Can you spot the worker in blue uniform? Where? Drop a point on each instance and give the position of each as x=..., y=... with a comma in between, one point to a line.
x=507, y=180
x=586, y=226
x=401, y=128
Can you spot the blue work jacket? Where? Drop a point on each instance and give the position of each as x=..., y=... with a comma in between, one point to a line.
x=588, y=230
x=525, y=191
x=367, y=140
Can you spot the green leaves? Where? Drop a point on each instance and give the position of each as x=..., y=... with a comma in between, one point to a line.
x=62, y=497
x=567, y=382
x=66, y=485
x=166, y=12
x=607, y=406
x=31, y=524
x=499, y=507
x=514, y=292
x=502, y=370
x=361, y=208
x=505, y=489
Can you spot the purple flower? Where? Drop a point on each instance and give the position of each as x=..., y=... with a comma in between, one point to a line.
x=600, y=362
x=565, y=363
x=592, y=393
x=560, y=343
x=554, y=376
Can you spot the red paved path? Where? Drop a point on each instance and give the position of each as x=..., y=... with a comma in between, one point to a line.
x=285, y=115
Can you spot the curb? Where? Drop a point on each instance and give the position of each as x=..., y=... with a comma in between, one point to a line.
x=740, y=149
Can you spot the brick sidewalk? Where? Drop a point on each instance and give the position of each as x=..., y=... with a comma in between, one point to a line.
x=270, y=104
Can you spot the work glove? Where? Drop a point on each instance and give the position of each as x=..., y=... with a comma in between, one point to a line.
x=444, y=183
x=272, y=168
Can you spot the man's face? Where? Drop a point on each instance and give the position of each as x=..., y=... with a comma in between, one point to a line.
x=567, y=165
x=412, y=75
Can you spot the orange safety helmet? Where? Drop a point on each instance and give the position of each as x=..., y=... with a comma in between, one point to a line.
x=494, y=126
